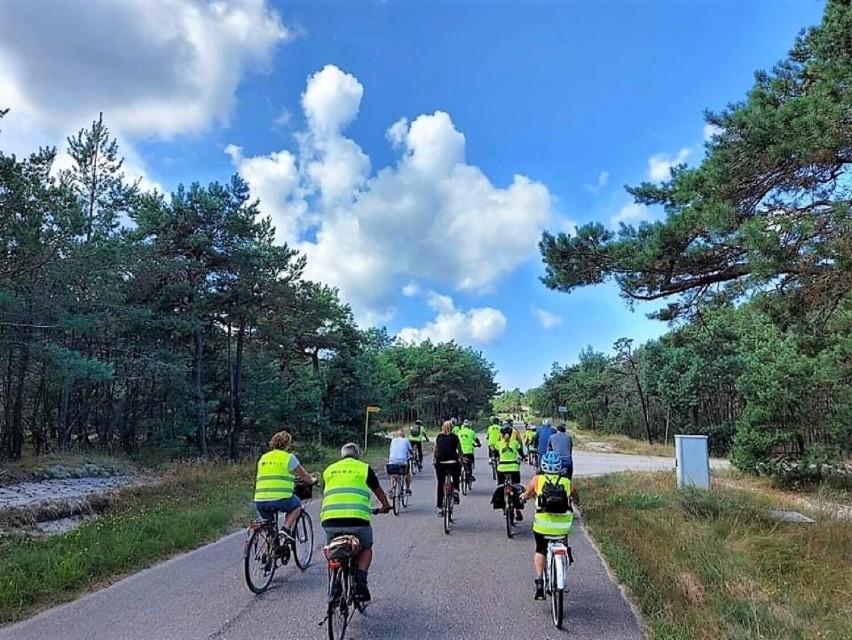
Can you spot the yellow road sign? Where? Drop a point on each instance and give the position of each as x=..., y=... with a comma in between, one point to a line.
x=372, y=409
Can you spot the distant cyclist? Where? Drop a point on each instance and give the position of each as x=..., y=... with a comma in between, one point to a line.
x=549, y=522
x=509, y=462
x=468, y=440
x=400, y=451
x=542, y=437
x=562, y=443
x=416, y=436
x=446, y=454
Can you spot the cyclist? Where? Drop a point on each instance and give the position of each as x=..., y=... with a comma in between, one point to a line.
x=277, y=470
x=446, y=454
x=346, y=508
x=416, y=436
x=400, y=450
x=529, y=436
x=468, y=440
x=562, y=443
x=542, y=436
x=509, y=462
x=456, y=425
x=545, y=523
x=492, y=436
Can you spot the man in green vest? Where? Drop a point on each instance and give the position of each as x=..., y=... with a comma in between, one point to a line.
x=492, y=436
x=509, y=461
x=548, y=522
x=346, y=508
x=468, y=440
x=416, y=436
x=277, y=471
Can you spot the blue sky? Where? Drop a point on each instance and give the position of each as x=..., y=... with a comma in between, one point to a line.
x=413, y=150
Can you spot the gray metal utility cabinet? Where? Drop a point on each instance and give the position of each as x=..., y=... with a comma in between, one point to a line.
x=692, y=459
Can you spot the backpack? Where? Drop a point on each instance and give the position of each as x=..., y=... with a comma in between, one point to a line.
x=553, y=497
x=415, y=430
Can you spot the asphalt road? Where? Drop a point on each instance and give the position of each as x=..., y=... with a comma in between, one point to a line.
x=474, y=583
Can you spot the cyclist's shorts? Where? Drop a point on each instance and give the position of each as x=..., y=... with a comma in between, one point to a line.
x=364, y=534
x=267, y=508
x=397, y=469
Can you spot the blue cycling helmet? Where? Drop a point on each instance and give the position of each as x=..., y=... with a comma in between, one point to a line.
x=551, y=462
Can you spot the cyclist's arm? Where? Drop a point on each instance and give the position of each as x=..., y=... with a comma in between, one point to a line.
x=374, y=484
x=530, y=492
x=477, y=443
x=304, y=476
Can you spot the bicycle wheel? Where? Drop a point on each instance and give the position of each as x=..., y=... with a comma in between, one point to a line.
x=405, y=497
x=493, y=470
x=303, y=544
x=338, y=609
x=395, y=497
x=259, y=559
x=510, y=516
x=448, y=511
x=556, y=595
x=464, y=481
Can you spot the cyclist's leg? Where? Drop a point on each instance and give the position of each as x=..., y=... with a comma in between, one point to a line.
x=407, y=479
x=440, y=472
x=293, y=510
x=516, y=479
x=539, y=558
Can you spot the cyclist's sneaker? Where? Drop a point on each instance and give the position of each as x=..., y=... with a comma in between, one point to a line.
x=456, y=499
x=518, y=515
x=408, y=492
x=539, y=590
x=440, y=513
x=472, y=478
x=361, y=592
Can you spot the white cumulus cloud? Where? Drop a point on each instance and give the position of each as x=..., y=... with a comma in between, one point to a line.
x=429, y=217
x=630, y=213
x=546, y=319
x=476, y=326
x=660, y=164
x=600, y=183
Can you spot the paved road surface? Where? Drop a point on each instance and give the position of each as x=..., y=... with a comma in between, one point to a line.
x=473, y=584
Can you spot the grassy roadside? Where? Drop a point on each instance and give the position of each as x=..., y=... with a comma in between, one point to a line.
x=191, y=505
x=611, y=443
x=708, y=565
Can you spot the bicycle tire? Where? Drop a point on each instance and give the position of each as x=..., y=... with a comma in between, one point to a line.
x=395, y=498
x=405, y=498
x=556, y=596
x=510, y=517
x=493, y=470
x=258, y=556
x=464, y=481
x=303, y=541
x=448, y=511
x=412, y=467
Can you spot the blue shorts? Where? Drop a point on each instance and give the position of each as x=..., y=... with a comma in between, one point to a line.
x=567, y=467
x=267, y=508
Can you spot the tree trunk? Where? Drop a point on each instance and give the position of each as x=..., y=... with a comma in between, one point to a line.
x=16, y=428
x=198, y=382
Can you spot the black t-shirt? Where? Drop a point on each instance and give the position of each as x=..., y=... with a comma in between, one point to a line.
x=447, y=447
x=373, y=484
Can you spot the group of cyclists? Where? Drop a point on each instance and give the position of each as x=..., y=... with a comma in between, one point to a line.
x=350, y=483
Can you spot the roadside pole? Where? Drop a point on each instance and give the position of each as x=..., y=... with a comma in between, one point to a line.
x=370, y=409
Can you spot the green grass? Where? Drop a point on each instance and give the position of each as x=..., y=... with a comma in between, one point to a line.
x=713, y=565
x=191, y=506
x=616, y=443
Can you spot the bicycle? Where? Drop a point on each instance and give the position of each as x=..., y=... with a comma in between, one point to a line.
x=398, y=493
x=449, y=500
x=492, y=460
x=466, y=478
x=533, y=458
x=342, y=554
x=559, y=558
x=266, y=547
x=510, y=500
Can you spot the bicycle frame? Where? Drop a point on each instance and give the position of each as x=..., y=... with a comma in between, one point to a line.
x=558, y=553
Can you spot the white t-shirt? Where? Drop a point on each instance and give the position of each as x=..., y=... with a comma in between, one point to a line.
x=399, y=450
x=294, y=462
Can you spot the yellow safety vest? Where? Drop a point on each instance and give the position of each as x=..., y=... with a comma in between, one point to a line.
x=510, y=457
x=346, y=492
x=493, y=435
x=467, y=437
x=274, y=480
x=552, y=524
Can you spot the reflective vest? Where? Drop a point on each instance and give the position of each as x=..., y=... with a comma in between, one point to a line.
x=467, y=437
x=420, y=437
x=529, y=436
x=552, y=524
x=274, y=480
x=510, y=457
x=346, y=492
x=493, y=435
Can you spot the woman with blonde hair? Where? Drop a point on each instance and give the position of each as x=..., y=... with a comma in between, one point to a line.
x=447, y=455
x=274, y=487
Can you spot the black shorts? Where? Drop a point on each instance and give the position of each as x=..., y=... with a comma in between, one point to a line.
x=541, y=543
x=397, y=469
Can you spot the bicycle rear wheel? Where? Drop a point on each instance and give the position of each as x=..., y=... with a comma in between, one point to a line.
x=448, y=511
x=405, y=497
x=493, y=469
x=339, y=610
x=556, y=595
x=259, y=561
x=395, y=497
x=464, y=481
x=510, y=516
x=303, y=541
